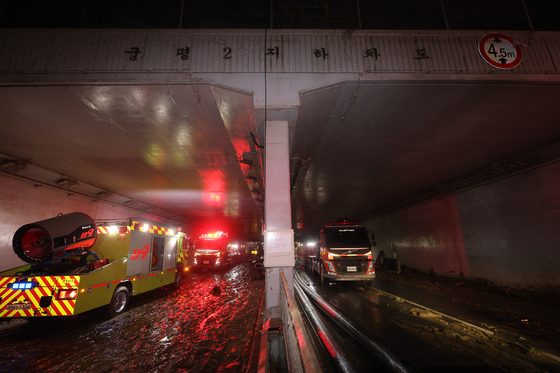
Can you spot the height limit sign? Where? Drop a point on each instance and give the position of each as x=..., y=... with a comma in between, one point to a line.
x=500, y=51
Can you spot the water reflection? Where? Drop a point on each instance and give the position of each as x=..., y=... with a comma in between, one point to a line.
x=188, y=330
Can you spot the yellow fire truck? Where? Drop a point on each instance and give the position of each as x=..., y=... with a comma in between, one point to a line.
x=78, y=264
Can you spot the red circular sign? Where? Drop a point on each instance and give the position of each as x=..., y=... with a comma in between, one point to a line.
x=500, y=51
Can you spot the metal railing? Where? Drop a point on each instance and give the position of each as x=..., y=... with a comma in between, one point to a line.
x=301, y=356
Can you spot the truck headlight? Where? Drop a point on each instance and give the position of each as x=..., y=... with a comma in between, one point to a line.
x=330, y=266
x=371, y=266
x=332, y=256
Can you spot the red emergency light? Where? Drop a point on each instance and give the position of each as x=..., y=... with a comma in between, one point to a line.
x=213, y=236
x=341, y=223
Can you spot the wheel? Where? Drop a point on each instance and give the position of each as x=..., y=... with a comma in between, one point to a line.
x=178, y=280
x=324, y=280
x=119, y=302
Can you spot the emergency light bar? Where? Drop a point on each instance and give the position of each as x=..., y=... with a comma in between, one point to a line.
x=341, y=224
x=212, y=236
x=22, y=285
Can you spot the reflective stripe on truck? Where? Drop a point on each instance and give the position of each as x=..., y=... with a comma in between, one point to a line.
x=38, y=296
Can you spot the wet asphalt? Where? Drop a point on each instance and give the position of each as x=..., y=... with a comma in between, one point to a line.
x=439, y=325
x=435, y=324
x=193, y=329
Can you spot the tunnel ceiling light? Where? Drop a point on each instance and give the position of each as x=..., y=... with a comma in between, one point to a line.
x=7, y=163
x=104, y=195
x=13, y=165
x=67, y=183
x=252, y=175
x=246, y=161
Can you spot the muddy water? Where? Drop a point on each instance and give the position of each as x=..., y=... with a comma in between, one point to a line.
x=194, y=329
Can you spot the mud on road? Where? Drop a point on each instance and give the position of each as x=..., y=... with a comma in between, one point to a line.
x=197, y=328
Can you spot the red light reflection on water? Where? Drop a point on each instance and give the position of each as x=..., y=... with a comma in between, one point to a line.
x=192, y=329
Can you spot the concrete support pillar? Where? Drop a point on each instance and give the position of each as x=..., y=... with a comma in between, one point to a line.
x=279, y=237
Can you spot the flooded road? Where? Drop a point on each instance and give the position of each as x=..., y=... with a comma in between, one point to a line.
x=425, y=340
x=198, y=328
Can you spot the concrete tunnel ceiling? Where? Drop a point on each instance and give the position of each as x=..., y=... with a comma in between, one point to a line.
x=357, y=146
x=174, y=148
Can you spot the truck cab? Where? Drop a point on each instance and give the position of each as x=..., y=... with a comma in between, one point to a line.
x=211, y=251
x=344, y=253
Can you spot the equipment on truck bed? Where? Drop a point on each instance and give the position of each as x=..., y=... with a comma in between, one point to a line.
x=36, y=242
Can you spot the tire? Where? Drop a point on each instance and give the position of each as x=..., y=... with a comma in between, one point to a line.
x=119, y=302
x=324, y=280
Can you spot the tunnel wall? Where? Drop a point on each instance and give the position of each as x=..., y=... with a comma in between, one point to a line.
x=507, y=232
x=22, y=203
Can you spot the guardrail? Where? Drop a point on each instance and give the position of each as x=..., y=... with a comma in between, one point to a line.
x=301, y=356
x=378, y=351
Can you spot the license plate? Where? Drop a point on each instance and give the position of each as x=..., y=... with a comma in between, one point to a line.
x=18, y=306
x=350, y=269
x=206, y=262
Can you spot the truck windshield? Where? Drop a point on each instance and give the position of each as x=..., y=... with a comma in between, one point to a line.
x=346, y=237
x=210, y=244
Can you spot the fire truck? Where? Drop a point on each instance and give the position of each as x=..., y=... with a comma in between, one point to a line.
x=212, y=251
x=77, y=264
x=344, y=254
